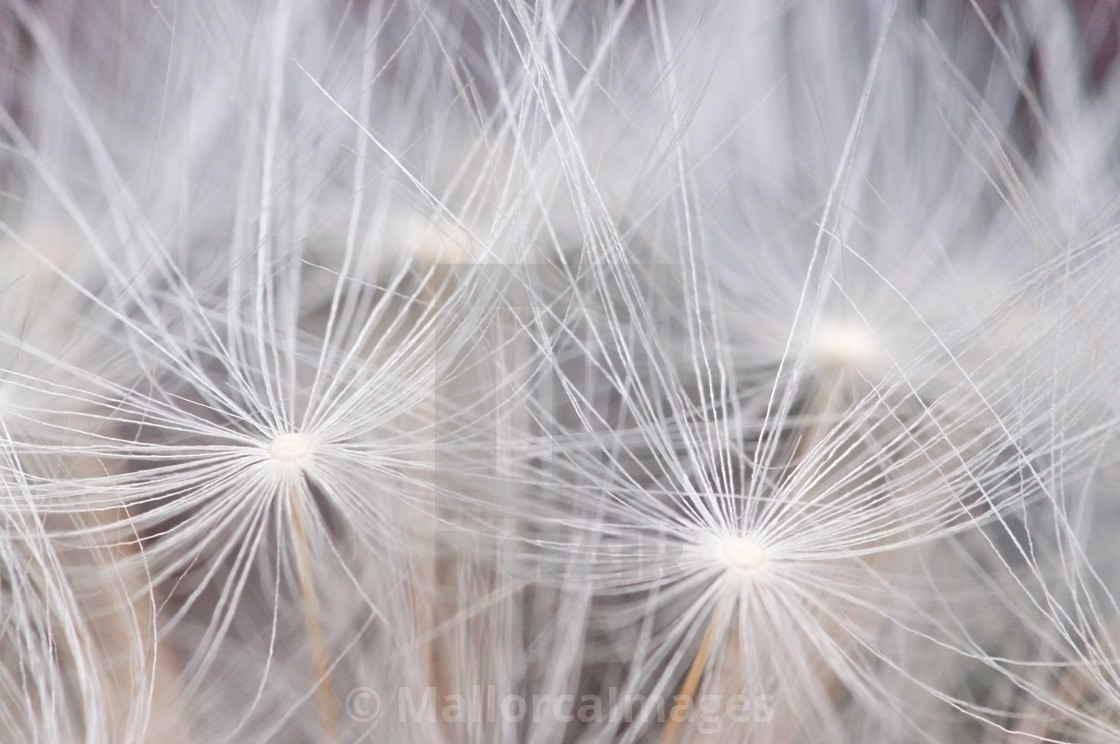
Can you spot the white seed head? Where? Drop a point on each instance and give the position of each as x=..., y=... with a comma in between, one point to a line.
x=436, y=242
x=291, y=448
x=845, y=343
x=743, y=555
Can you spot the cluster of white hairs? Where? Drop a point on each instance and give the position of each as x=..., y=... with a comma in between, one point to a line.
x=559, y=371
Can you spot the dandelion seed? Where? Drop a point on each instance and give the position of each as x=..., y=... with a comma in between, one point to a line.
x=800, y=395
x=290, y=448
x=847, y=345
x=743, y=556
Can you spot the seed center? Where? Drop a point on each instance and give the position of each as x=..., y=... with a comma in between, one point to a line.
x=290, y=448
x=845, y=344
x=742, y=554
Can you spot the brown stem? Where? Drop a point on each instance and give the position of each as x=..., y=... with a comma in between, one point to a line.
x=312, y=624
x=691, y=684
